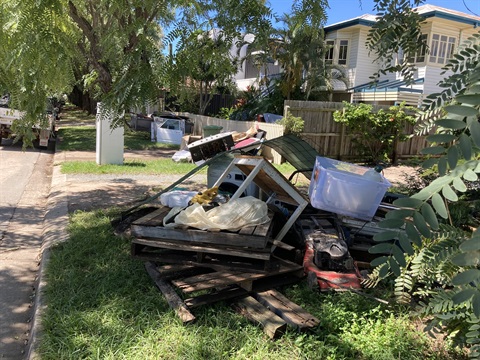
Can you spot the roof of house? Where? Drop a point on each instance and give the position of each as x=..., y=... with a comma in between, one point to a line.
x=432, y=10
x=426, y=11
x=365, y=19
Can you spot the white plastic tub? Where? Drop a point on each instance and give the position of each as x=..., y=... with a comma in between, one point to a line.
x=170, y=131
x=341, y=188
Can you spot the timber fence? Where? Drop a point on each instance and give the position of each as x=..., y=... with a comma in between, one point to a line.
x=327, y=137
x=331, y=139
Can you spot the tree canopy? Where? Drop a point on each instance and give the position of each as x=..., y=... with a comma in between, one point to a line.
x=114, y=50
x=111, y=48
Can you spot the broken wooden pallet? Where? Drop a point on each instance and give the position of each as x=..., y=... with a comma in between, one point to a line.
x=273, y=311
x=253, y=294
x=187, y=287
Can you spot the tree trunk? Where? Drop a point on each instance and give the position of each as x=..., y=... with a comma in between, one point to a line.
x=83, y=100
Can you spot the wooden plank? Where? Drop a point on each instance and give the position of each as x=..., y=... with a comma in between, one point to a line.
x=224, y=294
x=175, y=271
x=214, y=280
x=220, y=262
x=171, y=296
x=149, y=218
x=247, y=230
x=273, y=325
x=261, y=254
x=262, y=230
x=167, y=269
x=145, y=253
x=292, y=313
x=243, y=278
x=198, y=236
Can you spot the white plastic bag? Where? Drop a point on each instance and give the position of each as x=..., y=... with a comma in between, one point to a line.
x=233, y=215
x=177, y=198
x=182, y=156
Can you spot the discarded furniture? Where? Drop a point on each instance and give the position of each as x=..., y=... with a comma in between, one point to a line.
x=165, y=130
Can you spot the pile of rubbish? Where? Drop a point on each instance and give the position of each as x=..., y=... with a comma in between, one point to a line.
x=251, y=230
x=327, y=231
x=198, y=150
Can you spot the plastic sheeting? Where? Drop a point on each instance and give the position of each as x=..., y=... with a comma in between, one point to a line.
x=233, y=215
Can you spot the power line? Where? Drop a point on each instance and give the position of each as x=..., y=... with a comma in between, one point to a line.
x=468, y=8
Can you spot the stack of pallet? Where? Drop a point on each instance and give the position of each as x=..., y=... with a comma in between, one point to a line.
x=193, y=267
x=248, y=248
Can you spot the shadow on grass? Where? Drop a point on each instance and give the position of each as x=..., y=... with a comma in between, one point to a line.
x=134, y=164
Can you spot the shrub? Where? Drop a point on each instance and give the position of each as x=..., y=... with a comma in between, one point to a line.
x=292, y=124
x=375, y=133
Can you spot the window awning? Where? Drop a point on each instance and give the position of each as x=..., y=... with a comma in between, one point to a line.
x=387, y=85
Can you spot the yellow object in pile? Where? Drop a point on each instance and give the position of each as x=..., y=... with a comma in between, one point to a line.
x=205, y=197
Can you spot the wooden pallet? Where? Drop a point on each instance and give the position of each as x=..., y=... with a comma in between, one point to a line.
x=188, y=287
x=248, y=248
x=259, y=261
x=151, y=227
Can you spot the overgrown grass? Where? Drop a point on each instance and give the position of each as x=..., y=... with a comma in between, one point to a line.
x=83, y=138
x=103, y=305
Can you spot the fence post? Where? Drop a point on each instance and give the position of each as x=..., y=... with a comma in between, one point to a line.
x=341, y=143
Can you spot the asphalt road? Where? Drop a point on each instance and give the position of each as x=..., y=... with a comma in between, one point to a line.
x=25, y=178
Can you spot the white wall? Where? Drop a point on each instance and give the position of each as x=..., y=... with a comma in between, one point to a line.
x=360, y=65
x=366, y=67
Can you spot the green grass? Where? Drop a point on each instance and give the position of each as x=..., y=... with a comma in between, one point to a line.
x=72, y=114
x=145, y=167
x=103, y=305
x=131, y=167
x=83, y=138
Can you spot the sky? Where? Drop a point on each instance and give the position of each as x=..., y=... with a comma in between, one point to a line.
x=341, y=10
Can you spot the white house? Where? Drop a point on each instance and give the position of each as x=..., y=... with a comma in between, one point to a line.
x=444, y=30
x=249, y=73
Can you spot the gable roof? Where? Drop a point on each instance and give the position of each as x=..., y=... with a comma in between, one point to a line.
x=365, y=19
x=427, y=11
